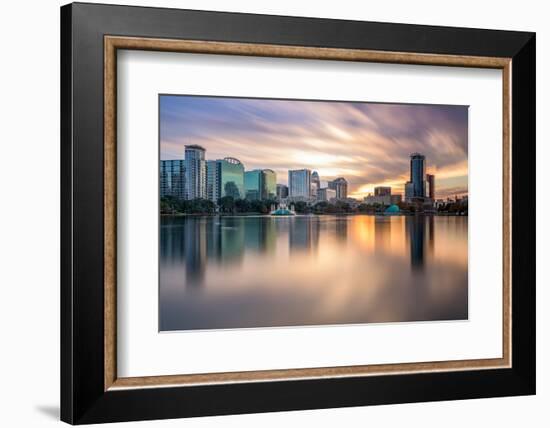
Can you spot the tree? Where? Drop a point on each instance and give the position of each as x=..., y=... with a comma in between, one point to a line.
x=343, y=207
x=232, y=190
x=320, y=207
x=301, y=207
x=170, y=205
x=227, y=204
x=242, y=206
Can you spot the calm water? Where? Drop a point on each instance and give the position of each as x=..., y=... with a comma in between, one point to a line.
x=232, y=272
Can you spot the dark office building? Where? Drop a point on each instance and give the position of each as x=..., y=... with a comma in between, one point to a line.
x=282, y=191
x=418, y=172
x=172, y=178
x=382, y=191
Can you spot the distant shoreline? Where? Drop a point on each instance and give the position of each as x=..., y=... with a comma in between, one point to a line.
x=253, y=214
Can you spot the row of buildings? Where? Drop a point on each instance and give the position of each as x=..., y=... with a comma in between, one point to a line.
x=305, y=185
x=419, y=189
x=420, y=185
x=195, y=177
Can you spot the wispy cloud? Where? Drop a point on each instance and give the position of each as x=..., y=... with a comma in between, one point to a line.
x=368, y=143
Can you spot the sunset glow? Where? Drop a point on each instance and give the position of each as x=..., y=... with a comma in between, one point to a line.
x=367, y=143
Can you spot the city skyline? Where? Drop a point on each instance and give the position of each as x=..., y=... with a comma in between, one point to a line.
x=368, y=144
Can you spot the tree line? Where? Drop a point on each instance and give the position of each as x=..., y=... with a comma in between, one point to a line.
x=231, y=205
x=226, y=205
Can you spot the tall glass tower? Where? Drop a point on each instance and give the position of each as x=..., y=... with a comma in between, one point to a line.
x=224, y=177
x=172, y=178
x=253, y=184
x=269, y=184
x=231, y=178
x=418, y=173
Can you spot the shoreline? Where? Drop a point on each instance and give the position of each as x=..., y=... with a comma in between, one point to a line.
x=253, y=214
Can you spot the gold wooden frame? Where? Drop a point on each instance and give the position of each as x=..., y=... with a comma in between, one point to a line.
x=113, y=43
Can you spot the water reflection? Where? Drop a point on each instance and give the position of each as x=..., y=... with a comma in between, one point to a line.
x=231, y=272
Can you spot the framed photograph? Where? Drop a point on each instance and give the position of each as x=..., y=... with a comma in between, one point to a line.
x=265, y=213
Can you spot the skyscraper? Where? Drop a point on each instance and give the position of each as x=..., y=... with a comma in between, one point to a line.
x=326, y=194
x=253, y=184
x=231, y=178
x=225, y=177
x=213, y=192
x=299, y=184
x=260, y=184
x=315, y=184
x=382, y=191
x=340, y=185
x=409, y=191
x=418, y=173
x=282, y=191
x=172, y=178
x=195, y=172
x=430, y=178
x=269, y=184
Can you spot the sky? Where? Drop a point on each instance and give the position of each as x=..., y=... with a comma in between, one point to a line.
x=366, y=143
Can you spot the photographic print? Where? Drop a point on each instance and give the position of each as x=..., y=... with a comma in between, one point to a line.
x=288, y=212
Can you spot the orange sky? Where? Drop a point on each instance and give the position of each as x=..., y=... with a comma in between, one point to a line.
x=367, y=143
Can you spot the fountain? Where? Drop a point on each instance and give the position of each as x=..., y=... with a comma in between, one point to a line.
x=282, y=210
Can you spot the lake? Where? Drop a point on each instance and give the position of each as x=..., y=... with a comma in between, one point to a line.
x=261, y=271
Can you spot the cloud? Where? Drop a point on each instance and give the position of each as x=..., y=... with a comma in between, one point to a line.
x=368, y=143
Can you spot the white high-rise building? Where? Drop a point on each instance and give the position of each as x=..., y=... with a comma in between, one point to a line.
x=299, y=184
x=195, y=172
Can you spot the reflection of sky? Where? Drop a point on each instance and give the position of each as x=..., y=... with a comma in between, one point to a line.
x=233, y=272
x=367, y=143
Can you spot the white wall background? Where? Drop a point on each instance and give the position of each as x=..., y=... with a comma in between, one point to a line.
x=29, y=213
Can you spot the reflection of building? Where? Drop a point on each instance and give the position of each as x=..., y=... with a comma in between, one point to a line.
x=282, y=192
x=195, y=172
x=232, y=239
x=340, y=185
x=416, y=231
x=260, y=234
x=303, y=233
x=225, y=177
x=172, y=178
x=195, y=250
x=171, y=244
x=430, y=179
x=326, y=194
x=299, y=184
x=382, y=234
x=341, y=228
x=431, y=236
